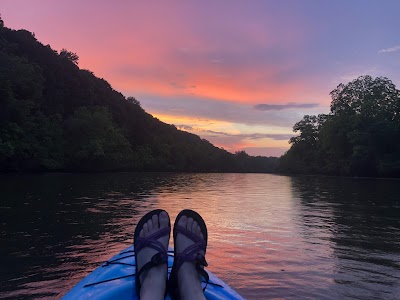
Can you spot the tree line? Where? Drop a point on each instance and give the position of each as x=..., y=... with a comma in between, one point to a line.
x=359, y=137
x=56, y=116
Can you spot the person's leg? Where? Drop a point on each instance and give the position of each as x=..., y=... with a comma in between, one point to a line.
x=153, y=281
x=189, y=280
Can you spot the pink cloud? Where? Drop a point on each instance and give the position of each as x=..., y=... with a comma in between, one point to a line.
x=147, y=47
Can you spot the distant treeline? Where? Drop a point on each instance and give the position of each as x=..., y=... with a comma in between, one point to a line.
x=55, y=116
x=359, y=137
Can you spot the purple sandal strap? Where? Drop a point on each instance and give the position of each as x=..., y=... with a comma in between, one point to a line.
x=192, y=252
x=157, y=259
x=151, y=241
x=189, y=234
x=192, y=249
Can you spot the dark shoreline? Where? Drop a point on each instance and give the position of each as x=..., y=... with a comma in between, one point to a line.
x=42, y=172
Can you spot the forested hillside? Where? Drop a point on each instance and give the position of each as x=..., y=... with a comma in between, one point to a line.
x=359, y=137
x=55, y=116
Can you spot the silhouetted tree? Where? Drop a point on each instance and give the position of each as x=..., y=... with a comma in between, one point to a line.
x=133, y=100
x=73, y=57
x=361, y=135
x=92, y=141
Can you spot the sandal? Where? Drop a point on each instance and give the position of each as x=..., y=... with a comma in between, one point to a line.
x=161, y=257
x=191, y=253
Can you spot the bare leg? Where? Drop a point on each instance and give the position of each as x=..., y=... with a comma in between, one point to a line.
x=188, y=277
x=153, y=281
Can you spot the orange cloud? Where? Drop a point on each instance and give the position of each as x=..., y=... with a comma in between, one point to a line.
x=240, y=85
x=231, y=136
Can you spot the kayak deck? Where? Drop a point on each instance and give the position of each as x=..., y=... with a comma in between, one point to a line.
x=115, y=279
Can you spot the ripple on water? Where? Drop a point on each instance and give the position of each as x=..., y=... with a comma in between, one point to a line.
x=270, y=237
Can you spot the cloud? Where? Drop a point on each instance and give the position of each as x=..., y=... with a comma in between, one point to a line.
x=182, y=86
x=184, y=127
x=265, y=151
x=389, y=50
x=195, y=107
x=241, y=136
x=266, y=107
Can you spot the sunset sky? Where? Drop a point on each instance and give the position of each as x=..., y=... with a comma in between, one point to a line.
x=237, y=73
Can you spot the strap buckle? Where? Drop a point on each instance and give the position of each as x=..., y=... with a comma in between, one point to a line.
x=201, y=260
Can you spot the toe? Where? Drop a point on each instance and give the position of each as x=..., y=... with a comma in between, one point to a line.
x=145, y=229
x=141, y=233
x=163, y=219
x=155, y=222
x=189, y=224
x=194, y=227
x=198, y=230
x=183, y=221
x=150, y=225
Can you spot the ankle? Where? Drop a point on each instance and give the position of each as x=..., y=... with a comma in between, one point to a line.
x=153, y=285
x=192, y=293
x=190, y=282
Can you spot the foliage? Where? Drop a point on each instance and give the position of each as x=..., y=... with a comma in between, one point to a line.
x=55, y=116
x=133, y=100
x=73, y=57
x=92, y=141
x=360, y=136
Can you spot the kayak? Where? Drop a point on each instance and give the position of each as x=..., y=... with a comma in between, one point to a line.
x=115, y=279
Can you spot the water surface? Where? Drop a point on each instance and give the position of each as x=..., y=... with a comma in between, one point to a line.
x=270, y=237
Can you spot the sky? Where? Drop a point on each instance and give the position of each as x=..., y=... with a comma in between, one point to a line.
x=237, y=73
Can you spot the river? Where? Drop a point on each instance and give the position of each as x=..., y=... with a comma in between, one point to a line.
x=270, y=236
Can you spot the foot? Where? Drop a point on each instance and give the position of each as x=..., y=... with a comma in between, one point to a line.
x=154, y=280
x=188, y=276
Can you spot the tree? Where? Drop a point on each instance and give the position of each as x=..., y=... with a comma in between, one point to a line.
x=73, y=57
x=133, y=100
x=371, y=98
x=309, y=128
x=92, y=141
x=361, y=135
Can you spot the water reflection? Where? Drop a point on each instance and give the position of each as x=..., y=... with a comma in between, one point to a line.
x=359, y=220
x=269, y=236
x=58, y=225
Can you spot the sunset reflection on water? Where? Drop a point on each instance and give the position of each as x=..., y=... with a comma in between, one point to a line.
x=270, y=236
